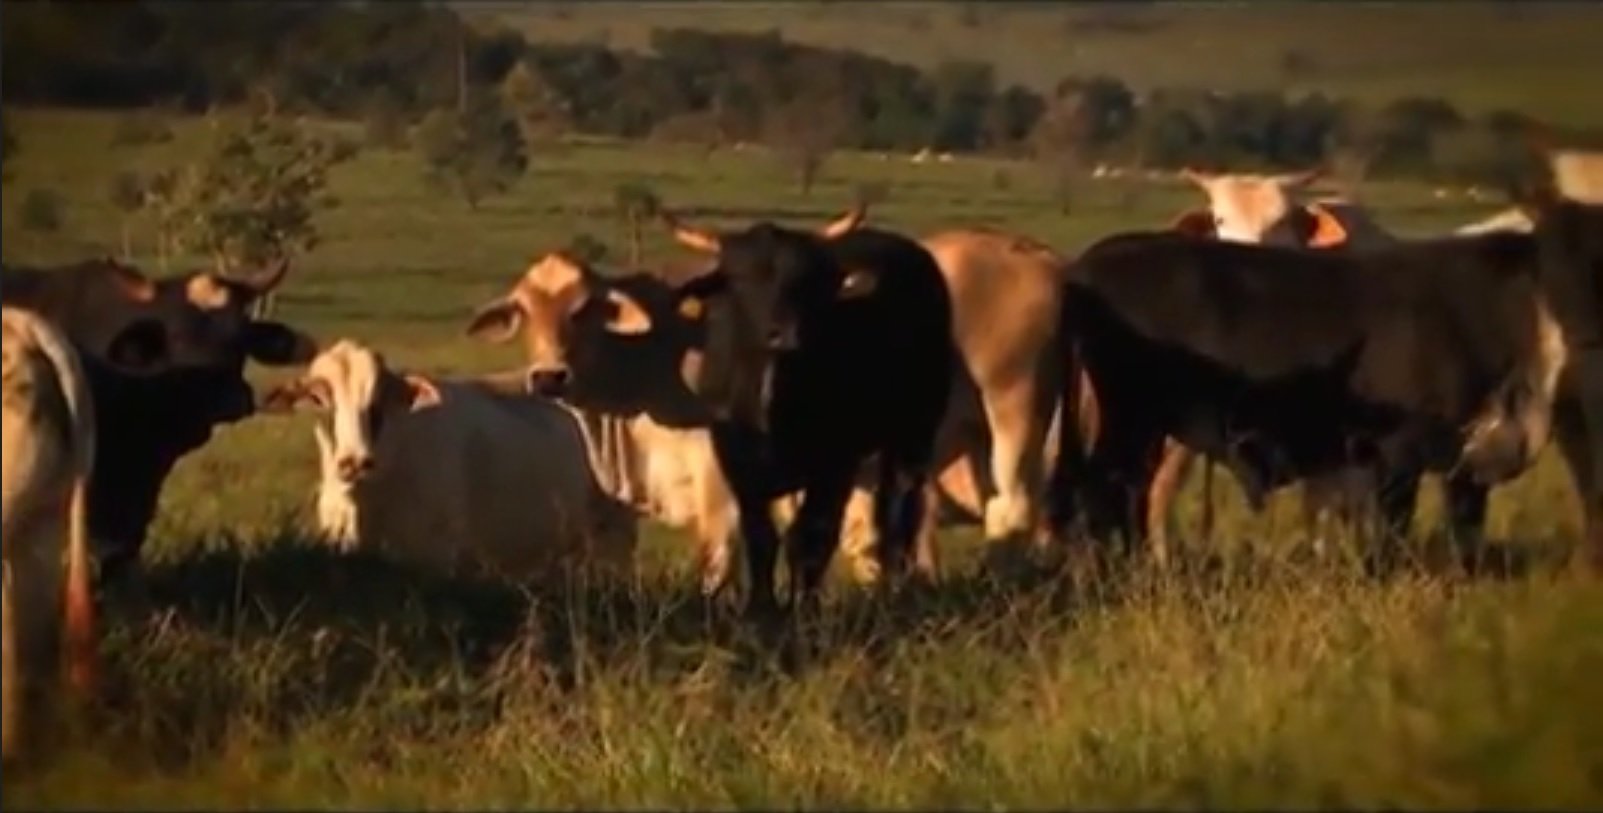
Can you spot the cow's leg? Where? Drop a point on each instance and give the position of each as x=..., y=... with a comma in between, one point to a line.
x=926, y=562
x=857, y=541
x=1466, y=516
x=1570, y=431
x=1166, y=482
x=11, y=706
x=899, y=511
x=736, y=450
x=813, y=537
x=1018, y=440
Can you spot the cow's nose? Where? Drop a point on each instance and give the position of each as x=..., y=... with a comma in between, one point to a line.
x=548, y=381
x=353, y=467
x=782, y=338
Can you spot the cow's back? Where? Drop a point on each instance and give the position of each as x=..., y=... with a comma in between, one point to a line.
x=489, y=481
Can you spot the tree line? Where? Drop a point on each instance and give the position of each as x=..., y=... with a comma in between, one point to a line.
x=403, y=63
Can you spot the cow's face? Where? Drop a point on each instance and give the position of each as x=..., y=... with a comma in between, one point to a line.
x=143, y=326
x=560, y=308
x=1262, y=209
x=769, y=287
x=349, y=385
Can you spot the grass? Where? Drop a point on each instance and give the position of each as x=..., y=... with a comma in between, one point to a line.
x=269, y=672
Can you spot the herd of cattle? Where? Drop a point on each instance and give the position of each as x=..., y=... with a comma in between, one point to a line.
x=855, y=384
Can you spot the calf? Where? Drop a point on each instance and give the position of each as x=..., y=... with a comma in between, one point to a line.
x=48, y=437
x=451, y=474
x=821, y=351
x=1286, y=364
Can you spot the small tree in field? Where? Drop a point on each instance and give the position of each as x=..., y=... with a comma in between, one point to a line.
x=476, y=153
x=253, y=195
x=636, y=203
x=586, y=249
x=127, y=195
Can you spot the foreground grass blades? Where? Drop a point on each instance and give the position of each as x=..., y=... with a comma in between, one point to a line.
x=298, y=677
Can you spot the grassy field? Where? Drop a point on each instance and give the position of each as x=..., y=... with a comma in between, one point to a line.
x=1527, y=55
x=274, y=673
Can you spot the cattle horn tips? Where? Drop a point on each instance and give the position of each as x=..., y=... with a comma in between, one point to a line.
x=692, y=238
x=267, y=279
x=852, y=219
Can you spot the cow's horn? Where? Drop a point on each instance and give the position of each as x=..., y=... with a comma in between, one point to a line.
x=692, y=238
x=846, y=222
x=263, y=281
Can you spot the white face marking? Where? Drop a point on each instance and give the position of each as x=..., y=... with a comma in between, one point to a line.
x=351, y=373
x=1250, y=209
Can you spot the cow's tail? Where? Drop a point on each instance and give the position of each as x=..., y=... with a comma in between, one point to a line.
x=1077, y=416
x=79, y=642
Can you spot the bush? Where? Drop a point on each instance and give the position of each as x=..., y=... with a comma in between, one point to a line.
x=477, y=153
x=41, y=211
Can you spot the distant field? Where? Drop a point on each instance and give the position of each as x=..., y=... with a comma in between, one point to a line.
x=1540, y=57
x=1264, y=675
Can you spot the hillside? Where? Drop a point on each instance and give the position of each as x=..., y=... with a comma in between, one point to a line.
x=1530, y=56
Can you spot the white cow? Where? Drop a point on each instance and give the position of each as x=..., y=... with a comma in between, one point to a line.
x=452, y=474
x=1270, y=209
x=47, y=428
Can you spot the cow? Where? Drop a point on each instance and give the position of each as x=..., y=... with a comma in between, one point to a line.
x=822, y=350
x=1286, y=364
x=1565, y=213
x=1268, y=209
x=48, y=442
x=157, y=323
x=453, y=474
x=161, y=401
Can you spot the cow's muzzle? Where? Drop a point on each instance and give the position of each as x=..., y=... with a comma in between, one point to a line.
x=550, y=382
x=353, y=468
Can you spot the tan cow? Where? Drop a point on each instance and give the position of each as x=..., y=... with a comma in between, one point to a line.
x=452, y=474
x=643, y=429
x=48, y=438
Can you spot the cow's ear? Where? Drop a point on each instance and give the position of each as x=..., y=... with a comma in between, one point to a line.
x=278, y=345
x=134, y=285
x=288, y=396
x=140, y=347
x=628, y=317
x=1317, y=227
x=858, y=283
x=1197, y=177
x=1195, y=223
x=496, y=322
x=421, y=391
x=705, y=286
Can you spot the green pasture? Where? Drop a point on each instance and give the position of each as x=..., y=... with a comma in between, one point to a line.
x=269, y=672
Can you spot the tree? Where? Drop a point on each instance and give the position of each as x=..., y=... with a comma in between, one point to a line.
x=478, y=152
x=1060, y=140
x=804, y=132
x=253, y=195
x=385, y=124
x=536, y=105
x=636, y=203
x=127, y=195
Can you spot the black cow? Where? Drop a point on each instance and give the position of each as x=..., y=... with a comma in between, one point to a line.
x=821, y=350
x=1283, y=364
x=146, y=424
x=183, y=376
